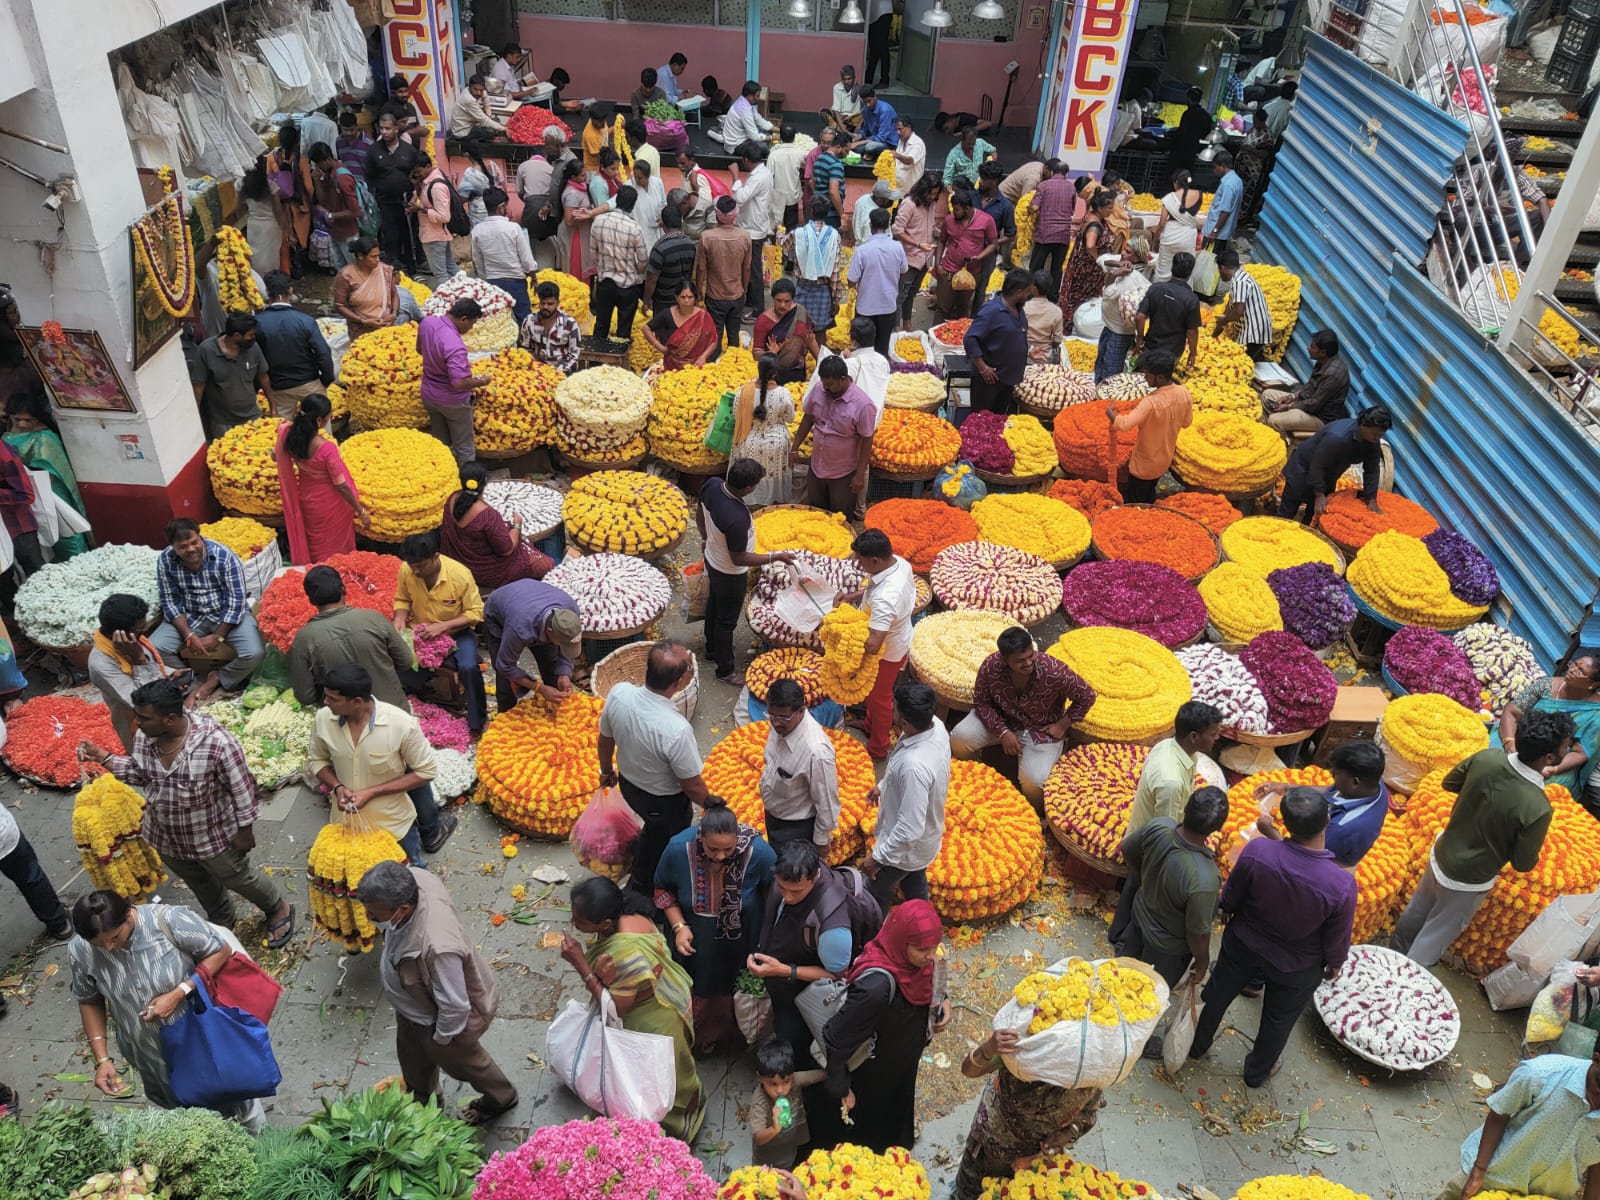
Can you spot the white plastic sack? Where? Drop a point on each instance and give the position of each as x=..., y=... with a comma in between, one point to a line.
x=1511, y=987
x=615, y=1071
x=1087, y=321
x=1561, y=931
x=1127, y=291
x=918, y=335
x=1180, y=1033
x=1399, y=772
x=1206, y=277
x=1078, y=1054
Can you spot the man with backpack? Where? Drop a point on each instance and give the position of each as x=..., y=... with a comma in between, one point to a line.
x=338, y=201
x=441, y=214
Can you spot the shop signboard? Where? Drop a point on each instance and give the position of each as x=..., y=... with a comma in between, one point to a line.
x=1088, y=61
x=422, y=42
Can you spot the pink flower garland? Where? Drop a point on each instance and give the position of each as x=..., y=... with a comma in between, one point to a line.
x=620, y=1160
x=443, y=730
x=432, y=652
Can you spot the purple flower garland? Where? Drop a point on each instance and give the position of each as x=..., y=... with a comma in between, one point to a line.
x=983, y=443
x=1425, y=660
x=1472, y=576
x=1314, y=602
x=1299, y=688
x=1144, y=597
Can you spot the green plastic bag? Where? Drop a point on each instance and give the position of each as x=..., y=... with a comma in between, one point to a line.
x=720, y=436
x=274, y=668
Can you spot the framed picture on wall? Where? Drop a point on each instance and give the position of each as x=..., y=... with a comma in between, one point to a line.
x=77, y=369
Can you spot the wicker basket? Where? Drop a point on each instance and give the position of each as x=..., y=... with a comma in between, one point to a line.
x=1046, y=415
x=270, y=520
x=584, y=464
x=1216, y=546
x=1270, y=739
x=1104, y=865
x=909, y=476
x=627, y=666
x=1016, y=483
x=956, y=703
x=503, y=455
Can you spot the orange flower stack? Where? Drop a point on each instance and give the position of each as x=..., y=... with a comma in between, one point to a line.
x=538, y=763
x=1211, y=509
x=733, y=772
x=919, y=529
x=914, y=443
x=1088, y=496
x=1089, y=794
x=1158, y=536
x=789, y=662
x=1348, y=520
x=1082, y=434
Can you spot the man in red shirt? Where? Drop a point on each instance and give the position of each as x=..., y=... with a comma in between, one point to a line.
x=965, y=237
x=1055, y=201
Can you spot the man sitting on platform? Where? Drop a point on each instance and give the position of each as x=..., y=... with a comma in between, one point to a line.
x=203, y=604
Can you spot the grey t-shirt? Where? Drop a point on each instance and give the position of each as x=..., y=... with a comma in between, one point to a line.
x=1178, y=885
x=655, y=745
x=229, y=383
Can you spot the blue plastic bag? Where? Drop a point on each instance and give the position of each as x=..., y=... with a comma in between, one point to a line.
x=958, y=485
x=217, y=1056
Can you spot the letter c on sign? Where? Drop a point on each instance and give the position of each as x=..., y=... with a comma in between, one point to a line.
x=1088, y=80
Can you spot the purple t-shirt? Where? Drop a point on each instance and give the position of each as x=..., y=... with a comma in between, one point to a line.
x=1292, y=906
x=836, y=426
x=444, y=358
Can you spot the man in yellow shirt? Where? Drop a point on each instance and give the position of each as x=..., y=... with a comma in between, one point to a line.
x=436, y=597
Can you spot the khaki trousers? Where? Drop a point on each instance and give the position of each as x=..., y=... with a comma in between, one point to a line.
x=288, y=399
x=463, y=1057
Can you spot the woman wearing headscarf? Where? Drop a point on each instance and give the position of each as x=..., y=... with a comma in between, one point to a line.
x=891, y=1003
x=35, y=436
x=709, y=883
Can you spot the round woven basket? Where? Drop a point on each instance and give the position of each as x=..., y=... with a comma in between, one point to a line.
x=1393, y=684
x=704, y=470
x=1271, y=739
x=924, y=595
x=1104, y=865
x=623, y=464
x=953, y=702
x=1216, y=546
x=34, y=779
x=909, y=476
x=627, y=666
x=1047, y=415
x=1216, y=638
x=270, y=520
x=1020, y=482
x=1373, y=614
x=503, y=455
x=1342, y=559
x=925, y=406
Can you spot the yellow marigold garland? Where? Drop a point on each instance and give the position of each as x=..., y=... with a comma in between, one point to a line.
x=1027, y=223
x=803, y=529
x=628, y=512
x=787, y=662
x=516, y=412
x=1139, y=684
x=1282, y=291
x=1031, y=445
x=848, y=671
x=947, y=648
x=1058, y=1177
x=1224, y=452
x=236, y=286
x=1089, y=794
x=381, y=375
x=1107, y=992
x=751, y=1183
x=1296, y=1187
x=345, y=850
x=1432, y=731
x=1052, y=529
x=686, y=402
x=538, y=764
x=244, y=475
x=914, y=443
x=1239, y=602
x=1395, y=574
x=849, y=1171
x=106, y=818
x=883, y=167
x=1264, y=544
x=420, y=292
x=403, y=477
x=1220, y=381
x=244, y=537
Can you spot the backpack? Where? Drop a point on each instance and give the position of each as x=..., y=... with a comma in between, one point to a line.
x=459, y=224
x=866, y=917
x=367, y=220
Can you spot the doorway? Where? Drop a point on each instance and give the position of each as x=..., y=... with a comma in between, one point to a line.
x=911, y=59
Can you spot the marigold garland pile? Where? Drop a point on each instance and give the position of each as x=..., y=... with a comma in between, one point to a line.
x=244, y=537
x=1395, y=575
x=381, y=377
x=1051, y=529
x=1239, y=603
x=1081, y=434
x=42, y=736
x=1105, y=992
x=1432, y=732
x=1281, y=289
x=914, y=443
x=947, y=648
x=106, y=818
x=516, y=412
x=236, y=285
x=803, y=529
x=733, y=772
x=1144, y=597
x=1226, y=452
x=344, y=851
x=848, y=1171
x=1139, y=533
x=919, y=529
x=538, y=763
x=1264, y=544
x=1139, y=684
x=1027, y=222
x=916, y=390
x=1220, y=381
x=1348, y=520
x=1080, y=356
x=244, y=475
x=601, y=414
x=788, y=662
x=369, y=582
x=1089, y=793
x=848, y=670
x=404, y=477
x=1215, y=512
x=751, y=1183
x=1296, y=1187
x=993, y=578
x=1088, y=496
x=496, y=330
x=686, y=402
x=628, y=512
x=1058, y=1177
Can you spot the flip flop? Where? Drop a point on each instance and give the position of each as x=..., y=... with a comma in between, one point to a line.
x=282, y=940
x=479, y=1113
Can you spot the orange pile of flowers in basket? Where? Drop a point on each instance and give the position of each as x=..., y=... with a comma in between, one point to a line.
x=1348, y=521
x=1213, y=510
x=1082, y=434
x=1155, y=535
x=919, y=529
x=1090, y=497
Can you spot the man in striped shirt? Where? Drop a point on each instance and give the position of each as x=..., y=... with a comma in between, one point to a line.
x=1247, y=312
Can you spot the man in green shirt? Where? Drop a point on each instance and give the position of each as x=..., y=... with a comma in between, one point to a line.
x=1501, y=816
x=1178, y=886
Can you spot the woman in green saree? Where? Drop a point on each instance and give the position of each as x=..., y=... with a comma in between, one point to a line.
x=33, y=434
x=629, y=958
x=1576, y=693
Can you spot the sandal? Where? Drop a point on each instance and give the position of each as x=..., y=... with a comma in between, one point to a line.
x=279, y=941
x=447, y=825
x=478, y=1112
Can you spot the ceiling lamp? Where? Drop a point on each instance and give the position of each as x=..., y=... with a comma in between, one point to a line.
x=852, y=17
x=936, y=17
x=989, y=10
x=800, y=10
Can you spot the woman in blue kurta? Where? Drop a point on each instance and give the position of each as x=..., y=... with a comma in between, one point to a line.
x=1577, y=693
x=710, y=883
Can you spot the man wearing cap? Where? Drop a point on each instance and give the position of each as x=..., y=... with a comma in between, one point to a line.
x=881, y=196
x=530, y=615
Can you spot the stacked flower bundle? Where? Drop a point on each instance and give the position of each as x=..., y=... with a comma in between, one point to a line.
x=1215, y=512
x=58, y=606
x=1313, y=601
x=274, y=731
x=418, y=291
x=920, y=390
x=1424, y=660
x=841, y=575
x=790, y=662
x=601, y=414
x=685, y=404
x=496, y=330
x=458, y=772
x=1431, y=732
x=236, y=286
x=1082, y=436
x=1033, y=451
x=538, y=764
x=913, y=443
x=614, y=593
x=106, y=818
x=1473, y=579
x=338, y=406
x=752, y=1183
x=1138, y=533
x=539, y=507
x=910, y=349
x=381, y=377
x=1106, y=992
x=920, y=529
x=849, y=671
x=1226, y=452
x=574, y=299
x=1299, y=688
x=1139, y=684
x=369, y=582
x=1219, y=679
x=991, y=578
x=837, y=338
x=1144, y=597
x=1554, y=328
x=848, y=1171
x=516, y=411
x=1503, y=663
x=403, y=477
x=1081, y=356
x=1130, y=385
x=641, y=354
x=1027, y=222
x=947, y=648
x=344, y=851
x=244, y=537
x=1266, y=544
x=1397, y=576
x=1089, y=794
x=244, y=475
x=1089, y=497
x=628, y=512
x=1569, y=865
x=733, y=772
x=1051, y=529
x=1058, y=1177
x=803, y=529
x=1348, y=520
x=1051, y=387
x=1282, y=291
x=983, y=443
x=1296, y=1187
x=1220, y=381
x=528, y=123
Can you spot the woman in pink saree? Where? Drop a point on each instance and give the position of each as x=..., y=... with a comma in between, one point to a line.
x=321, y=507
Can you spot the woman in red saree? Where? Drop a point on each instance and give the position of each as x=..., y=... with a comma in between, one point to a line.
x=685, y=335
x=321, y=507
x=785, y=332
x=478, y=538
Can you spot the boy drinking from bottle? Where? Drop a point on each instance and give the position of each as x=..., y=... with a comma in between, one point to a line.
x=778, y=1112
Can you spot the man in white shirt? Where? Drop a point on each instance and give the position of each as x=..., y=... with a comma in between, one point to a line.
x=881, y=196
x=910, y=799
x=647, y=206
x=667, y=77
x=501, y=254
x=786, y=162
x=800, y=774
x=648, y=748
x=514, y=69
x=743, y=123
x=845, y=115
x=753, y=194
x=471, y=118
x=910, y=155
x=889, y=597
x=1280, y=108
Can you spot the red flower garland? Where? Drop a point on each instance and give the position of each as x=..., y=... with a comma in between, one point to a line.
x=42, y=736
x=369, y=582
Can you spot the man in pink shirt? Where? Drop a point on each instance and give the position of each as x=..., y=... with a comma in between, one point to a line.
x=1159, y=418
x=842, y=419
x=447, y=378
x=966, y=235
x=432, y=207
x=1055, y=201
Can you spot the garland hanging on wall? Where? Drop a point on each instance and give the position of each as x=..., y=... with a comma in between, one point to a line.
x=236, y=285
x=164, y=225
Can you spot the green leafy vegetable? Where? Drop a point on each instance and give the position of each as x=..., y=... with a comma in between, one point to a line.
x=662, y=110
x=200, y=1154
x=289, y=1163
x=386, y=1146
x=52, y=1154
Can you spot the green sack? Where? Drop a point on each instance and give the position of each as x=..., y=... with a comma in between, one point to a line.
x=1577, y=1040
x=720, y=436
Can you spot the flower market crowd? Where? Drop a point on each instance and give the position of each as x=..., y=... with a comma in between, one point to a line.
x=892, y=506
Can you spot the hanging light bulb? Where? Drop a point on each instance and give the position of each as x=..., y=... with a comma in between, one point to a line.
x=936, y=17
x=989, y=10
x=800, y=10
x=852, y=16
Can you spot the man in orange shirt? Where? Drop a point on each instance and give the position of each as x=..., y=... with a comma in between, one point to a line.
x=1159, y=418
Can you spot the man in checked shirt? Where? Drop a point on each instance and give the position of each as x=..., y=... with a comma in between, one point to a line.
x=203, y=603
x=200, y=806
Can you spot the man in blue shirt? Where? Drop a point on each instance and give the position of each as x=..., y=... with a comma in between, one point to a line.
x=1316, y=464
x=1542, y=1134
x=203, y=603
x=1358, y=802
x=299, y=362
x=667, y=77
x=1004, y=215
x=877, y=125
x=875, y=270
x=1223, y=217
x=997, y=344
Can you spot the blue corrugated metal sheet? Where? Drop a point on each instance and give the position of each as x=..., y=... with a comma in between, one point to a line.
x=1490, y=455
x=1360, y=177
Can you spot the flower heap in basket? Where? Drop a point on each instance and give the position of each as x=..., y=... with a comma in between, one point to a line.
x=1130, y=385
x=1080, y=356
x=106, y=818
x=1397, y=577
x=601, y=414
x=1219, y=679
x=1215, y=512
x=947, y=648
x=1089, y=793
x=1419, y=659
x=1220, y=381
x=1472, y=576
x=381, y=378
x=1144, y=597
x=1348, y=520
x=849, y=670
x=627, y=512
x=574, y=299
x=1503, y=663
x=369, y=582
x=1266, y=544
x=516, y=412
x=236, y=285
x=1389, y=1010
x=595, y=1157
x=1082, y=433
x=614, y=592
x=42, y=736
x=733, y=772
x=1090, y=497
x=914, y=389
x=914, y=443
x=245, y=537
x=1139, y=684
x=920, y=529
x=244, y=475
x=804, y=667
x=274, y=731
x=1230, y=453
x=686, y=402
x=848, y=1171
x=539, y=507
x=1051, y=387
x=496, y=330
x=802, y=529
x=1029, y=445
x=1281, y=289
x=538, y=763
x=1058, y=1177
x=58, y=606
x=1428, y=732
x=1051, y=529
x=1314, y=603
x=1239, y=603
x=345, y=850
x=528, y=123
x=952, y=333
x=1139, y=533
x=404, y=477
x=910, y=349
x=993, y=578
x=836, y=574
x=1299, y=688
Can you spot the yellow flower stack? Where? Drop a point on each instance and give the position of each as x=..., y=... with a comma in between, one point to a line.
x=913, y=443
x=1089, y=793
x=1027, y=222
x=1296, y=1187
x=848, y=671
x=751, y=1183
x=1031, y=446
x=244, y=537
x=787, y=662
x=1431, y=731
x=106, y=817
x=1139, y=684
x=1220, y=381
x=345, y=850
x=601, y=414
x=244, y=476
x=236, y=286
x=516, y=412
x=883, y=168
x=641, y=354
x=1107, y=992
x=1052, y=529
x=1058, y=1177
x=420, y=292
x=685, y=404
x=1282, y=291
x=803, y=529
x=574, y=296
x=496, y=329
x=538, y=764
x=403, y=477
x=1264, y=544
x=1225, y=452
x=848, y=1172
x=381, y=376
x=947, y=648
x=1550, y=325
x=1239, y=604
x=915, y=390
x=627, y=512
x=338, y=406
x=1396, y=575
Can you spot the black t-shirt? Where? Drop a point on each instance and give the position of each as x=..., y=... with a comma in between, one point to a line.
x=1173, y=309
x=389, y=171
x=730, y=518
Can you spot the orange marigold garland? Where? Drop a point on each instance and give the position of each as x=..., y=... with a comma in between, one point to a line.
x=914, y=443
x=919, y=529
x=1089, y=794
x=1156, y=535
x=538, y=764
x=1081, y=433
x=1216, y=512
x=1091, y=497
x=42, y=736
x=1348, y=520
x=790, y=662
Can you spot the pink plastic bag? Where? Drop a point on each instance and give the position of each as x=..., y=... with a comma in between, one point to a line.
x=606, y=835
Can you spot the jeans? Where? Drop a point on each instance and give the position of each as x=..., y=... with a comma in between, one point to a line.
x=394, y=234
x=468, y=670
x=215, y=880
x=412, y=845
x=22, y=867
x=971, y=736
x=664, y=818
x=882, y=331
x=1286, y=996
x=724, y=600
x=912, y=884
x=452, y=425
x=521, y=306
x=910, y=287
x=727, y=315
x=756, y=296
x=441, y=263
x=610, y=296
x=427, y=810
x=245, y=638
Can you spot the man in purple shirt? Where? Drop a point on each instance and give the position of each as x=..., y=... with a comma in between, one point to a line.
x=842, y=420
x=1291, y=907
x=447, y=378
x=530, y=615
